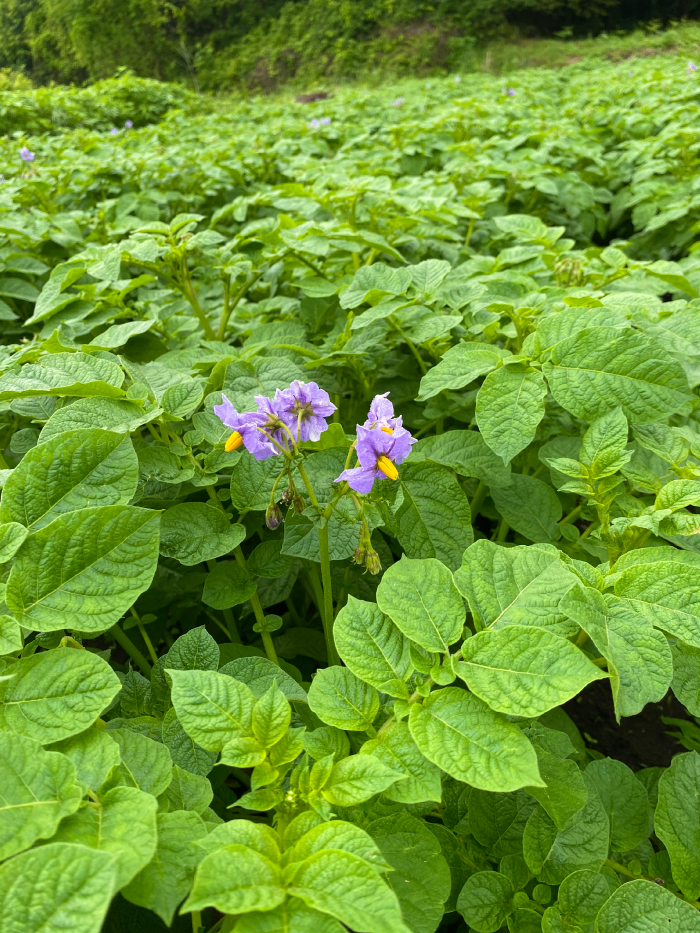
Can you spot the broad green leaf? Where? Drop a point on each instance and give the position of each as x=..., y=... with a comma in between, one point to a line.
x=252, y=481
x=372, y=283
x=211, y=707
x=639, y=658
x=625, y=801
x=187, y=791
x=337, y=834
x=581, y=895
x=165, y=881
x=259, y=674
x=327, y=740
x=601, y=368
x=341, y=699
x=195, y=650
x=77, y=469
x=355, y=779
x=509, y=406
x=93, y=752
x=58, y=693
x=267, y=560
x=434, y=519
x=10, y=635
x=644, y=907
x=64, y=374
x=565, y=790
x=552, y=854
x=293, y=916
x=37, y=789
x=184, y=751
x=497, y=821
x=667, y=593
x=486, y=900
x=459, y=366
x=301, y=533
x=272, y=715
x=465, y=452
x=460, y=734
x=530, y=507
x=181, y=400
x=107, y=414
x=145, y=764
x=396, y=748
x=55, y=888
x=516, y=586
x=345, y=886
x=421, y=877
x=686, y=676
x=257, y=836
x=524, y=671
x=118, y=334
x=260, y=376
x=420, y=597
x=12, y=536
x=122, y=823
x=373, y=647
x=604, y=443
x=85, y=569
x=236, y=879
x=677, y=820
x=228, y=585
x=192, y=532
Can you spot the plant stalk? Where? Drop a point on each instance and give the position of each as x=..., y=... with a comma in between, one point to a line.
x=127, y=644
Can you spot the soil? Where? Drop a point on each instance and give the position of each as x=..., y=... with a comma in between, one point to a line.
x=640, y=741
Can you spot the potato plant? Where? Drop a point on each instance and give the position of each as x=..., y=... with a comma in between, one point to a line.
x=342, y=447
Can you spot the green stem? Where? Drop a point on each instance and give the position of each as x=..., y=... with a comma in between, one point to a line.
x=502, y=531
x=192, y=298
x=231, y=626
x=412, y=347
x=478, y=499
x=572, y=516
x=196, y=921
x=147, y=640
x=269, y=647
x=230, y=307
x=258, y=610
x=127, y=644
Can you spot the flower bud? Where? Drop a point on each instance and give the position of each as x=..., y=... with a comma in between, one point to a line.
x=372, y=562
x=273, y=516
x=288, y=495
x=298, y=504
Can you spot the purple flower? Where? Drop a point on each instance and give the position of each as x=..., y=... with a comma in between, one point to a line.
x=314, y=125
x=692, y=66
x=398, y=102
x=325, y=121
x=26, y=155
x=381, y=414
x=113, y=131
x=377, y=451
x=304, y=407
x=246, y=428
x=511, y=92
x=128, y=124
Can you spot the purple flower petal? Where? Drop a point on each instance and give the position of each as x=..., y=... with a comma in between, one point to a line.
x=361, y=479
x=304, y=405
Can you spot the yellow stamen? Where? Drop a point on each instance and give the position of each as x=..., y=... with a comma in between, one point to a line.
x=387, y=467
x=233, y=442
x=387, y=430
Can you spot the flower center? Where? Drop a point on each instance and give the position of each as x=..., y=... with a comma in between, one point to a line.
x=387, y=430
x=387, y=467
x=234, y=441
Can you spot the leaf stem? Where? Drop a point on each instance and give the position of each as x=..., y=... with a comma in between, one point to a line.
x=193, y=300
x=230, y=306
x=144, y=635
x=478, y=499
x=127, y=644
x=258, y=611
x=572, y=516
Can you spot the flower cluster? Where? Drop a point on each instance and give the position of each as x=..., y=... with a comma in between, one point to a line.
x=295, y=414
x=299, y=414
x=692, y=67
x=508, y=91
x=128, y=124
x=26, y=155
x=398, y=102
x=315, y=123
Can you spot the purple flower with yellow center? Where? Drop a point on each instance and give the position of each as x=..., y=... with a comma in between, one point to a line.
x=378, y=452
x=692, y=66
x=381, y=414
x=246, y=429
x=26, y=155
x=304, y=407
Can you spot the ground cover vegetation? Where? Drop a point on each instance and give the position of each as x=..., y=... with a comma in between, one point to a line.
x=343, y=445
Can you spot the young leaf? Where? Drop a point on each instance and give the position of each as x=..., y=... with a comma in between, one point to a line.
x=144, y=763
x=373, y=647
x=271, y=716
x=341, y=699
x=236, y=879
x=357, y=778
x=187, y=791
x=396, y=748
x=211, y=707
x=195, y=650
x=192, y=532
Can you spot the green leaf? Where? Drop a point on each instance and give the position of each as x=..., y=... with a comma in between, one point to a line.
x=345, y=886
x=184, y=751
x=259, y=674
x=235, y=880
x=56, y=887
x=597, y=370
x=465, y=452
x=434, y=519
x=64, y=374
x=524, y=671
x=686, y=676
x=164, y=882
x=604, y=443
x=195, y=650
x=565, y=791
x=355, y=779
x=667, y=594
x=94, y=753
x=338, y=834
x=639, y=658
x=396, y=748
x=211, y=707
x=625, y=801
x=581, y=895
x=257, y=836
x=145, y=764
x=192, y=532
x=122, y=823
x=516, y=586
x=252, y=481
x=228, y=585
x=58, y=693
x=37, y=789
x=486, y=901
x=677, y=820
x=272, y=715
x=372, y=283
x=85, y=569
x=460, y=365
x=497, y=821
x=530, y=507
x=267, y=560
x=327, y=740
x=10, y=635
x=552, y=854
x=341, y=699
x=12, y=537
x=291, y=917
x=181, y=400
x=420, y=597
x=188, y=791
x=118, y=334
x=421, y=877
x=78, y=469
x=460, y=734
x=109, y=414
x=509, y=406
x=373, y=647
x=644, y=907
